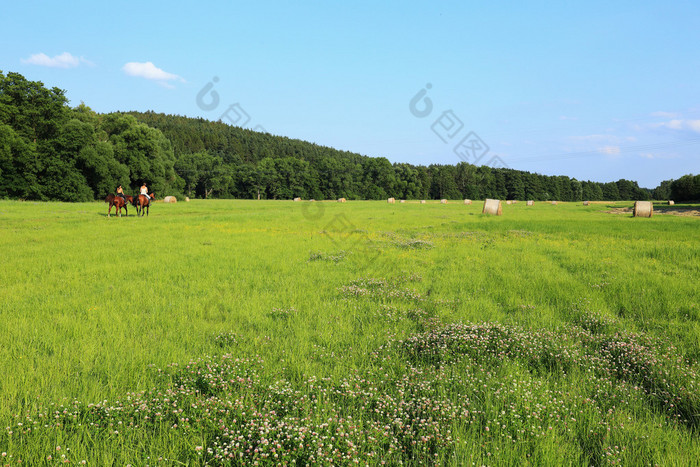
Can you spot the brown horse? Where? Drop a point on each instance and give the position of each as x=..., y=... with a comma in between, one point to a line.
x=142, y=202
x=118, y=203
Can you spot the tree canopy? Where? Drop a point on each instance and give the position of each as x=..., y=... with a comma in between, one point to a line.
x=50, y=151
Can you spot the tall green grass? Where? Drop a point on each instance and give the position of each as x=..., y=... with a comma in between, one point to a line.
x=401, y=331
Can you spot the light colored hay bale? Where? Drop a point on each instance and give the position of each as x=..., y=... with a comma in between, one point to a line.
x=643, y=209
x=297, y=199
x=509, y=202
x=443, y=201
x=671, y=202
x=170, y=199
x=530, y=202
x=391, y=200
x=187, y=199
x=554, y=203
x=515, y=201
x=312, y=200
x=492, y=207
x=341, y=200
x=467, y=201
x=402, y=201
x=422, y=201
x=586, y=203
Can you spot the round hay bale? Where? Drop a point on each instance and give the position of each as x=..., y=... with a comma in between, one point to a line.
x=443, y=201
x=422, y=201
x=467, y=201
x=187, y=199
x=643, y=209
x=312, y=200
x=297, y=199
x=509, y=202
x=515, y=201
x=170, y=199
x=554, y=203
x=670, y=202
x=391, y=200
x=492, y=207
x=586, y=203
x=530, y=202
x=341, y=200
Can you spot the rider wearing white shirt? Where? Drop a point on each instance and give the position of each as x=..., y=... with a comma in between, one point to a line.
x=144, y=191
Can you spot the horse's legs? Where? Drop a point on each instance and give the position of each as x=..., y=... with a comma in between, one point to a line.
x=109, y=211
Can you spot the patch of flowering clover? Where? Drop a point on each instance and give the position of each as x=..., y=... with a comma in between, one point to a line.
x=421, y=397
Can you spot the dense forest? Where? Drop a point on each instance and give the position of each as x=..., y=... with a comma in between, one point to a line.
x=50, y=151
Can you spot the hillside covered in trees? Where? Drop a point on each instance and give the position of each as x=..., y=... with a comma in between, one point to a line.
x=50, y=151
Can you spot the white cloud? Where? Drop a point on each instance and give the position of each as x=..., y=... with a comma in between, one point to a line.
x=663, y=114
x=600, y=138
x=610, y=150
x=64, y=60
x=149, y=71
x=679, y=125
x=694, y=125
x=674, y=124
x=657, y=155
x=564, y=117
x=591, y=137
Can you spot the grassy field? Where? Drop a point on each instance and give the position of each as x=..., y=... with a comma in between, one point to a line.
x=235, y=332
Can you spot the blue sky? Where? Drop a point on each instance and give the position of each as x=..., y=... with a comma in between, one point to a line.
x=593, y=90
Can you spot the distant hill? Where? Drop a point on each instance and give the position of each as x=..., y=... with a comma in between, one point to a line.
x=50, y=151
x=280, y=167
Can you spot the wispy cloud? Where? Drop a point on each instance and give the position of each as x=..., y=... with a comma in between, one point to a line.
x=64, y=60
x=564, y=117
x=678, y=124
x=151, y=72
x=663, y=114
x=610, y=150
x=694, y=125
x=604, y=138
x=595, y=137
x=657, y=155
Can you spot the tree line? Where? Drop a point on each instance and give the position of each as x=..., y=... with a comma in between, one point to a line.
x=50, y=151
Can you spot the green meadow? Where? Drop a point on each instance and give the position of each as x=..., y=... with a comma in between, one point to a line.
x=228, y=332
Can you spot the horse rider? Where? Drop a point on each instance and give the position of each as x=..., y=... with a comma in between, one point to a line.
x=144, y=191
x=120, y=193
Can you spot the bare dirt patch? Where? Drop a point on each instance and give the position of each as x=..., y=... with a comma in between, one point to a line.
x=677, y=211
x=674, y=211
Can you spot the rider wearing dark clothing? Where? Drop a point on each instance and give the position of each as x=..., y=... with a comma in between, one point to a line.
x=120, y=192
